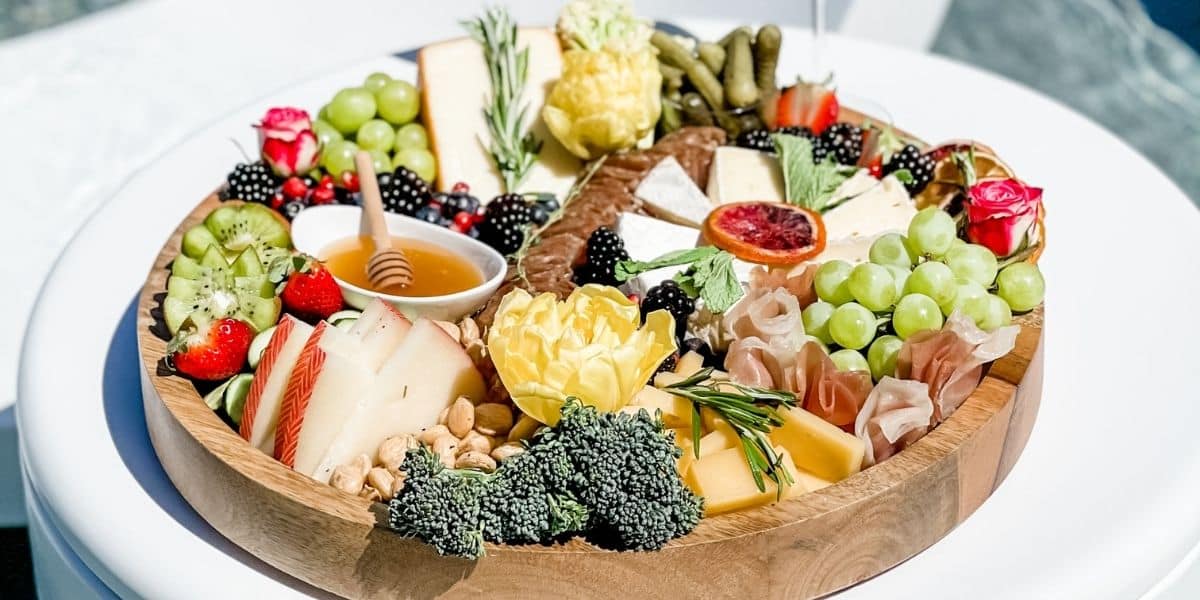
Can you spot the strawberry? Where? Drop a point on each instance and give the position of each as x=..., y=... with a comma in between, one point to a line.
x=211, y=352
x=810, y=105
x=878, y=147
x=310, y=292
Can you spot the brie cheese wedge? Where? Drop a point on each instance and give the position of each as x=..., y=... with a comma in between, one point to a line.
x=670, y=195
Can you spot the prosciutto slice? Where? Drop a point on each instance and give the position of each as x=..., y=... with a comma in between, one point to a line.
x=897, y=413
x=797, y=280
x=836, y=396
x=951, y=361
x=765, y=314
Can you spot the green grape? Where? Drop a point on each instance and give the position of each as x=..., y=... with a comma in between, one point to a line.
x=326, y=133
x=881, y=356
x=398, y=101
x=350, y=108
x=338, y=157
x=417, y=160
x=932, y=279
x=916, y=312
x=831, y=282
x=957, y=243
x=818, y=342
x=323, y=114
x=411, y=136
x=891, y=250
x=375, y=81
x=932, y=231
x=965, y=290
x=380, y=161
x=816, y=320
x=899, y=277
x=974, y=262
x=988, y=312
x=872, y=286
x=849, y=360
x=852, y=326
x=1021, y=286
x=375, y=134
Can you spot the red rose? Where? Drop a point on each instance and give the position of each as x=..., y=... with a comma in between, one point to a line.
x=288, y=142
x=1002, y=214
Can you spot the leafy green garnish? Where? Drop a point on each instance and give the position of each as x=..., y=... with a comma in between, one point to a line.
x=710, y=275
x=904, y=175
x=805, y=183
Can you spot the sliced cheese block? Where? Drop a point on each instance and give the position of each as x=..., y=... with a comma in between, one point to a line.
x=857, y=184
x=725, y=481
x=744, y=175
x=718, y=439
x=421, y=378
x=883, y=208
x=683, y=439
x=647, y=238
x=853, y=250
x=261, y=413
x=378, y=331
x=670, y=194
x=817, y=446
x=455, y=88
x=807, y=482
x=676, y=411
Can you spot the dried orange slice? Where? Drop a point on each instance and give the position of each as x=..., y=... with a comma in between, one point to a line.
x=948, y=178
x=769, y=233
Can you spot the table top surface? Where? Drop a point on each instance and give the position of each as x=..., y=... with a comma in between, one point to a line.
x=1101, y=505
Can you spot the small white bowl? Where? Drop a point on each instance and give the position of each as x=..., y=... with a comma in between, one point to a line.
x=315, y=228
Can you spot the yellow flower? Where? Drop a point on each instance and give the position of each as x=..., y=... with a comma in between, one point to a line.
x=588, y=346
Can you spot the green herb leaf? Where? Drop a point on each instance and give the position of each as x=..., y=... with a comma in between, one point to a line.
x=904, y=175
x=805, y=183
x=628, y=269
x=710, y=276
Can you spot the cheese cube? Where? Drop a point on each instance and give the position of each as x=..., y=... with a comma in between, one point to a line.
x=725, y=481
x=676, y=411
x=718, y=439
x=817, y=446
x=807, y=482
x=683, y=439
x=711, y=420
x=743, y=175
x=666, y=378
x=689, y=364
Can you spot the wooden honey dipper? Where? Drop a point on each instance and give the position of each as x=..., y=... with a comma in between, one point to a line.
x=388, y=266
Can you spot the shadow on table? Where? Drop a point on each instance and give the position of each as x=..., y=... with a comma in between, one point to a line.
x=126, y=422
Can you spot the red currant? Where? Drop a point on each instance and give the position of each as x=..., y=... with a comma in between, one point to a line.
x=461, y=187
x=294, y=187
x=323, y=195
x=464, y=220
x=350, y=181
x=326, y=182
x=277, y=200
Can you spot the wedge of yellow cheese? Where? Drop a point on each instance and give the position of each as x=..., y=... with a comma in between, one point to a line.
x=807, y=482
x=683, y=439
x=676, y=411
x=726, y=483
x=817, y=446
x=718, y=439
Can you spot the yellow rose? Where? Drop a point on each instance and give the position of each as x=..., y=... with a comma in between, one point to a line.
x=588, y=346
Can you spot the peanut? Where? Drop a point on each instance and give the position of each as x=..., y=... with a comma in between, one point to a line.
x=391, y=452
x=347, y=478
x=506, y=450
x=429, y=434
x=492, y=418
x=477, y=442
x=475, y=460
x=443, y=416
x=446, y=447
x=451, y=330
x=524, y=428
x=462, y=417
x=469, y=330
x=382, y=481
x=363, y=463
x=398, y=483
x=371, y=494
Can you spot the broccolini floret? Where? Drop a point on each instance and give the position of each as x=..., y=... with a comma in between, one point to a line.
x=608, y=476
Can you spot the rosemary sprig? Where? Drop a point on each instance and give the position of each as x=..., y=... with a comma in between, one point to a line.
x=513, y=151
x=750, y=411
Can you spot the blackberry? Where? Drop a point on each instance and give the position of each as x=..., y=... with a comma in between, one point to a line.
x=504, y=222
x=429, y=214
x=844, y=141
x=604, y=250
x=670, y=297
x=403, y=192
x=666, y=366
x=920, y=166
x=756, y=139
x=539, y=213
x=251, y=182
x=819, y=149
x=456, y=202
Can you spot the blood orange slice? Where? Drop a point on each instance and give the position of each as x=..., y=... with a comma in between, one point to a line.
x=768, y=233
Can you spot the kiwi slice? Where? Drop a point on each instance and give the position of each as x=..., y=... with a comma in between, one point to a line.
x=211, y=288
x=236, y=228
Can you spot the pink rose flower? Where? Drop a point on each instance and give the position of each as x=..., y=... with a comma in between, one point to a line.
x=288, y=142
x=1001, y=214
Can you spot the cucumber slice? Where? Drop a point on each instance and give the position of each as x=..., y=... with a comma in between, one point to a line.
x=216, y=397
x=235, y=396
x=345, y=324
x=258, y=345
x=343, y=315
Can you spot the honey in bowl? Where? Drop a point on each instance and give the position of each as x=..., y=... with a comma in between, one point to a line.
x=436, y=272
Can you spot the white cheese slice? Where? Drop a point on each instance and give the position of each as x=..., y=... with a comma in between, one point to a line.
x=743, y=175
x=883, y=208
x=671, y=195
x=856, y=185
x=647, y=238
x=454, y=90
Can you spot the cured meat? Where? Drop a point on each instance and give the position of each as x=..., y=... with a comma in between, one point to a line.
x=796, y=279
x=548, y=266
x=896, y=414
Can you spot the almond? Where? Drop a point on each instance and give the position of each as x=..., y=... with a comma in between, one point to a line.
x=462, y=417
x=492, y=418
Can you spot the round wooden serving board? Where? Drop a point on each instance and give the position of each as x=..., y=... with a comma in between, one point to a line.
x=804, y=547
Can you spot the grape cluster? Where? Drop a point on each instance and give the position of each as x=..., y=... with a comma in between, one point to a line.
x=911, y=284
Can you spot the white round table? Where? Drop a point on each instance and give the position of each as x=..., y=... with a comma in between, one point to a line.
x=1101, y=504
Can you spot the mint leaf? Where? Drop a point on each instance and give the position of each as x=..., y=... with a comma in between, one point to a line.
x=628, y=269
x=904, y=175
x=805, y=183
x=721, y=289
